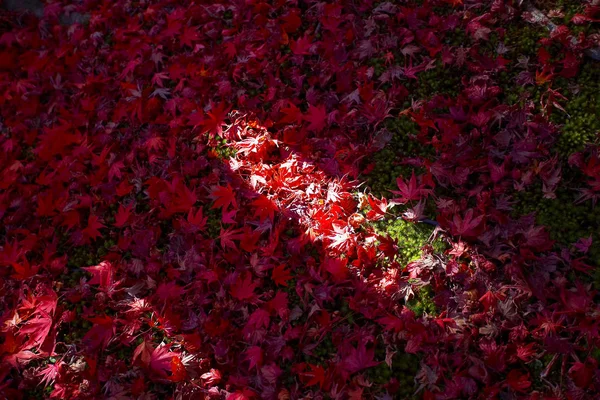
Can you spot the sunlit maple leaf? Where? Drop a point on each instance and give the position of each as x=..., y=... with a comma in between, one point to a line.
x=160, y=360
x=36, y=329
x=49, y=374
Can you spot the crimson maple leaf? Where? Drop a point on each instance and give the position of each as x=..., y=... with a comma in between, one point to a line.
x=91, y=231
x=280, y=275
x=265, y=208
x=101, y=333
x=317, y=118
x=161, y=360
x=216, y=117
x=255, y=355
x=466, y=226
x=358, y=359
x=293, y=115
x=316, y=376
x=243, y=289
x=122, y=215
x=411, y=191
x=223, y=197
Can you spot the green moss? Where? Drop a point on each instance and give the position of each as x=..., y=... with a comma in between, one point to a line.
x=403, y=144
x=566, y=222
x=411, y=238
x=582, y=124
x=422, y=302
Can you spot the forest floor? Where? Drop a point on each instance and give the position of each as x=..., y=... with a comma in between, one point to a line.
x=300, y=200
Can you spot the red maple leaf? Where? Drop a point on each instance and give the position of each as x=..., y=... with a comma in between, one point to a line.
x=317, y=118
x=101, y=333
x=280, y=275
x=243, y=289
x=316, y=376
x=466, y=226
x=24, y=270
x=37, y=329
x=122, y=215
x=216, y=118
x=254, y=354
x=358, y=359
x=410, y=191
x=161, y=359
x=265, y=208
x=223, y=196
x=91, y=231
x=293, y=115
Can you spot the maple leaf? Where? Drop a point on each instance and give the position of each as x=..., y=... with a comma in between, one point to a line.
x=343, y=238
x=280, y=275
x=378, y=209
x=24, y=270
x=359, y=358
x=197, y=220
x=243, y=289
x=216, y=117
x=101, y=333
x=161, y=360
x=301, y=47
x=316, y=376
x=317, y=118
x=49, y=374
x=102, y=275
x=410, y=191
x=143, y=352
x=293, y=115
x=227, y=237
x=122, y=216
x=223, y=196
x=91, y=231
x=37, y=329
x=337, y=267
x=178, y=371
x=466, y=226
x=188, y=36
x=265, y=208
x=254, y=354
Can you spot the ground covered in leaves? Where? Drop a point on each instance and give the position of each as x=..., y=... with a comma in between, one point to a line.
x=300, y=199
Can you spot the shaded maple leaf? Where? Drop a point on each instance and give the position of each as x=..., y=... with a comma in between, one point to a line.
x=254, y=354
x=91, y=231
x=243, y=289
x=316, y=376
x=280, y=275
x=223, y=196
x=122, y=216
x=101, y=333
x=317, y=118
x=359, y=358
